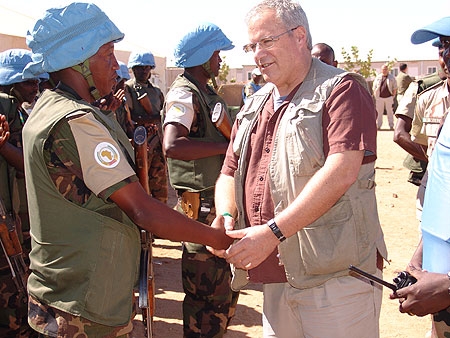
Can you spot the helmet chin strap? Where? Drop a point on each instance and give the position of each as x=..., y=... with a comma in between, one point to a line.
x=16, y=94
x=83, y=69
x=207, y=66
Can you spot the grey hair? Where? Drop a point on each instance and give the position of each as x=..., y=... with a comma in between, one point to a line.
x=288, y=12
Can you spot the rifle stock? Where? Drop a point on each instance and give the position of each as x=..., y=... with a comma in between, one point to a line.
x=221, y=120
x=146, y=280
x=13, y=250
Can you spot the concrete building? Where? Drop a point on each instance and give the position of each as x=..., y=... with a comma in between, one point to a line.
x=163, y=76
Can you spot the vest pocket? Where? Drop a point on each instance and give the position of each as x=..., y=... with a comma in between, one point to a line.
x=329, y=245
x=115, y=272
x=302, y=146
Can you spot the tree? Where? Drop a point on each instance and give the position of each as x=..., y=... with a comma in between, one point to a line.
x=353, y=63
x=391, y=63
x=224, y=70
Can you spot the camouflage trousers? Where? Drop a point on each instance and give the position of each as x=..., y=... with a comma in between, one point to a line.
x=209, y=303
x=51, y=322
x=13, y=309
x=157, y=170
x=441, y=324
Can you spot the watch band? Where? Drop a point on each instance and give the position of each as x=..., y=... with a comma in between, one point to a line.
x=276, y=230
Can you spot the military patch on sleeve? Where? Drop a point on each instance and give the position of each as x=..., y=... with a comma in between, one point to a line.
x=177, y=110
x=106, y=155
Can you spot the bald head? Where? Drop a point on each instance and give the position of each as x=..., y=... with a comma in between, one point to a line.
x=324, y=53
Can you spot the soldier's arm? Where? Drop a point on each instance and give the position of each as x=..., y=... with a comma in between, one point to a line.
x=177, y=145
x=13, y=155
x=403, y=138
x=153, y=216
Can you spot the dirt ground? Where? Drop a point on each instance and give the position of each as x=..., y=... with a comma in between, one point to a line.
x=396, y=203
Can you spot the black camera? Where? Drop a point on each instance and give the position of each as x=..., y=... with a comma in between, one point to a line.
x=404, y=279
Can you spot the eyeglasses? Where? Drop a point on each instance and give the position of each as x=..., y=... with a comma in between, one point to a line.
x=266, y=43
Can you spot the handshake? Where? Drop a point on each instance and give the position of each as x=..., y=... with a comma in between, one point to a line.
x=247, y=247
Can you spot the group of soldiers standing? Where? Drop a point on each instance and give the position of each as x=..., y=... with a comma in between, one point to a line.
x=192, y=145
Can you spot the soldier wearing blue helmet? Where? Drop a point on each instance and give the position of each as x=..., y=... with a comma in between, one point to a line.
x=14, y=92
x=195, y=149
x=145, y=101
x=85, y=201
x=430, y=295
x=122, y=113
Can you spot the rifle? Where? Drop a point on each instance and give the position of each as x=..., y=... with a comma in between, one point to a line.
x=13, y=250
x=146, y=280
x=221, y=120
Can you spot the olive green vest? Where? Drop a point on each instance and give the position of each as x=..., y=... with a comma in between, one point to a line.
x=82, y=262
x=201, y=174
x=154, y=94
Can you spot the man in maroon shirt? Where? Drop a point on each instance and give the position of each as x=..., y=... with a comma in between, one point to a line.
x=298, y=178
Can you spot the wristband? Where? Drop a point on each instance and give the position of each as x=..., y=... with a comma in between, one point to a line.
x=448, y=275
x=227, y=214
x=276, y=230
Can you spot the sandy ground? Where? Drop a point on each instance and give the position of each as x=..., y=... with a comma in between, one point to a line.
x=396, y=203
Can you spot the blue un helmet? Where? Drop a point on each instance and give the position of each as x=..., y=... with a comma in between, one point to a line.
x=436, y=43
x=122, y=72
x=12, y=64
x=67, y=37
x=141, y=59
x=197, y=47
x=434, y=30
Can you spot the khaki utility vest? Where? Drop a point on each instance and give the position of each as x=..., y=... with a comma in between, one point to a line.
x=349, y=232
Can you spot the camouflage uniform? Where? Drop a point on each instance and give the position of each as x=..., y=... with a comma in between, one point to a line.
x=51, y=320
x=206, y=283
x=13, y=305
x=66, y=173
x=15, y=198
x=441, y=323
x=406, y=107
x=209, y=302
x=157, y=171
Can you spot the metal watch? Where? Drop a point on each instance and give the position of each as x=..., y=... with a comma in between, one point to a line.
x=276, y=230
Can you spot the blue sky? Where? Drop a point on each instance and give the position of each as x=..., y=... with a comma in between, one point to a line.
x=156, y=25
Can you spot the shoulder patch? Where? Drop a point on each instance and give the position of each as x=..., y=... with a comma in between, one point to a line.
x=106, y=155
x=178, y=109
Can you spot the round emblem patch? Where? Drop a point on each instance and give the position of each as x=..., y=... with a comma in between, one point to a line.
x=177, y=110
x=106, y=155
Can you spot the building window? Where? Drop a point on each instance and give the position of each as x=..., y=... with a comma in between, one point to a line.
x=394, y=71
x=249, y=75
x=431, y=70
